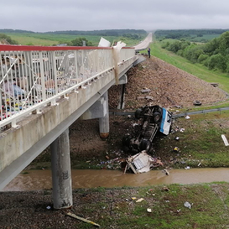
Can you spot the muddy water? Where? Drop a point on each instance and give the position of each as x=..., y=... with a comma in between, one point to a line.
x=41, y=179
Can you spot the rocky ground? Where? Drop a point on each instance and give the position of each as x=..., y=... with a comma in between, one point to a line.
x=168, y=87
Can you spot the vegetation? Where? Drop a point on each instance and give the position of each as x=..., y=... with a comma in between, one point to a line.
x=7, y=39
x=214, y=54
x=130, y=37
x=194, y=35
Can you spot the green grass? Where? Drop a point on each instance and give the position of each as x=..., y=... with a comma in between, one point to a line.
x=200, y=142
x=196, y=69
x=54, y=39
x=209, y=207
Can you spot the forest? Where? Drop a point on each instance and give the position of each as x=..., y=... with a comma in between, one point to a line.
x=213, y=54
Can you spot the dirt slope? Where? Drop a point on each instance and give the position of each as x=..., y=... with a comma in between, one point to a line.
x=169, y=87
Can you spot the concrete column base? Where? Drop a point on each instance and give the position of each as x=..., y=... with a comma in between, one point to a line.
x=61, y=172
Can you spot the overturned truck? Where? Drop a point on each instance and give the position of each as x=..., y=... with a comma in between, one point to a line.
x=151, y=120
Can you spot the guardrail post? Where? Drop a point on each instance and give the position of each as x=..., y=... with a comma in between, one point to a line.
x=61, y=172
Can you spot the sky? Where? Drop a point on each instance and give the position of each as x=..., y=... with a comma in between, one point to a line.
x=150, y=15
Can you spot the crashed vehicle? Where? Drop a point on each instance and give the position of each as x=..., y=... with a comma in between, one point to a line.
x=151, y=120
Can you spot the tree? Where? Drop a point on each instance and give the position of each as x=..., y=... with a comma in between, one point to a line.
x=79, y=42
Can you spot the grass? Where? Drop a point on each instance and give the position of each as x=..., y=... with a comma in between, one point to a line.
x=200, y=143
x=54, y=39
x=196, y=69
x=209, y=207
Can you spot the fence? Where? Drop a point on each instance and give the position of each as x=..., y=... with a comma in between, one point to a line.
x=32, y=77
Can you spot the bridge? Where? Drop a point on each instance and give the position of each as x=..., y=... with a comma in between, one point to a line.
x=43, y=91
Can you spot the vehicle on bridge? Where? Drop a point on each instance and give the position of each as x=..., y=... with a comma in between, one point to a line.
x=151, y=120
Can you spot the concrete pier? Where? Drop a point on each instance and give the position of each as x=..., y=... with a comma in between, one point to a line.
x=61, y=172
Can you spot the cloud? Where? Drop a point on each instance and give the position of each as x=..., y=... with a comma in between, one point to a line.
x=50, y=15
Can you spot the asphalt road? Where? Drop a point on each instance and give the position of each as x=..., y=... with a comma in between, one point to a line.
x=145, y=43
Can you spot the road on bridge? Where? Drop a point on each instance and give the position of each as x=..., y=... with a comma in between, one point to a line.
x=145, y=43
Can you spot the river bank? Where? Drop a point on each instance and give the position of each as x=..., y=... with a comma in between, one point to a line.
x=172, y=206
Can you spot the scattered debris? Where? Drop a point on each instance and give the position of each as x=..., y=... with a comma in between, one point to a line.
x=166, y=172
x=188, y=167
x=134, y=198
x=139, y=200
x=145, y=90
x=48, y=207
x=188, y=205
x=214, y=84
x=197, y=103
x=176, y=149
x=187, y=117
x=142, y=162
x=149, y=210
x=82, y=219
x=182, y=129
x=165, y=189
x=224, y=140
x=177, y=138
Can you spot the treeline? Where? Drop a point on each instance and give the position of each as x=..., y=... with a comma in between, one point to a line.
x=7, y=39
x=177, y=34
x=214, y=54
x=113, y=32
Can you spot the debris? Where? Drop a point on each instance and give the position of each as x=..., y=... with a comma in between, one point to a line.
x=48, y=207
x=142, y=162
x=134, y=198
x=165, y=189
x=166, y=172
x=224, y=140
x=177, y=138
x=149, y=210
x=197, y=103
x=182, y=129
x=145, y=90
x=199, y=164
x=82, y=219
x=187, y=117
x=149, y=97
x=188, y=205
x=214, y=84
x=139, y=200
x=176, y=149
x=188, y=167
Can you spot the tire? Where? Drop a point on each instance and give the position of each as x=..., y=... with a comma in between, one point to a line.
x=145, y=145
x=138, y=113
x=156, y=117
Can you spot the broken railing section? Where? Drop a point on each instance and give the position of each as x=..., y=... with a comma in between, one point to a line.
x=32, y=77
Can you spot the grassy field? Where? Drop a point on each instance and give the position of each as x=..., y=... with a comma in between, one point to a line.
x=54, y=39
x=196, y=69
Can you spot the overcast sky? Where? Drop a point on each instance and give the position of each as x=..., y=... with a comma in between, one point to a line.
x=55, y=15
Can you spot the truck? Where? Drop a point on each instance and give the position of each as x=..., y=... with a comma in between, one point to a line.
x=150, y=121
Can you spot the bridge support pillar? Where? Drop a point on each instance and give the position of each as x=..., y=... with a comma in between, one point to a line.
x=61, y=171
x=104, y=126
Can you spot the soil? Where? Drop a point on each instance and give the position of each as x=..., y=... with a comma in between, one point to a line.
x=169, y=87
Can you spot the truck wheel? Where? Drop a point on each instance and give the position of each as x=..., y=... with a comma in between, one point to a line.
x=156, y=117
x=138, y=113
x=145, y=145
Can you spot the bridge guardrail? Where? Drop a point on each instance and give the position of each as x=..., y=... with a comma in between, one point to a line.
x=32, y=77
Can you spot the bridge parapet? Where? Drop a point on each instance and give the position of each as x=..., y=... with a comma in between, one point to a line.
x=32, y=77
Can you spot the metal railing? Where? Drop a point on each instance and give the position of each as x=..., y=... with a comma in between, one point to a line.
x=31, y=77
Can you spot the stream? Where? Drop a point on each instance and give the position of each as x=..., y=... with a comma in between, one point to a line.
x=42, y=179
